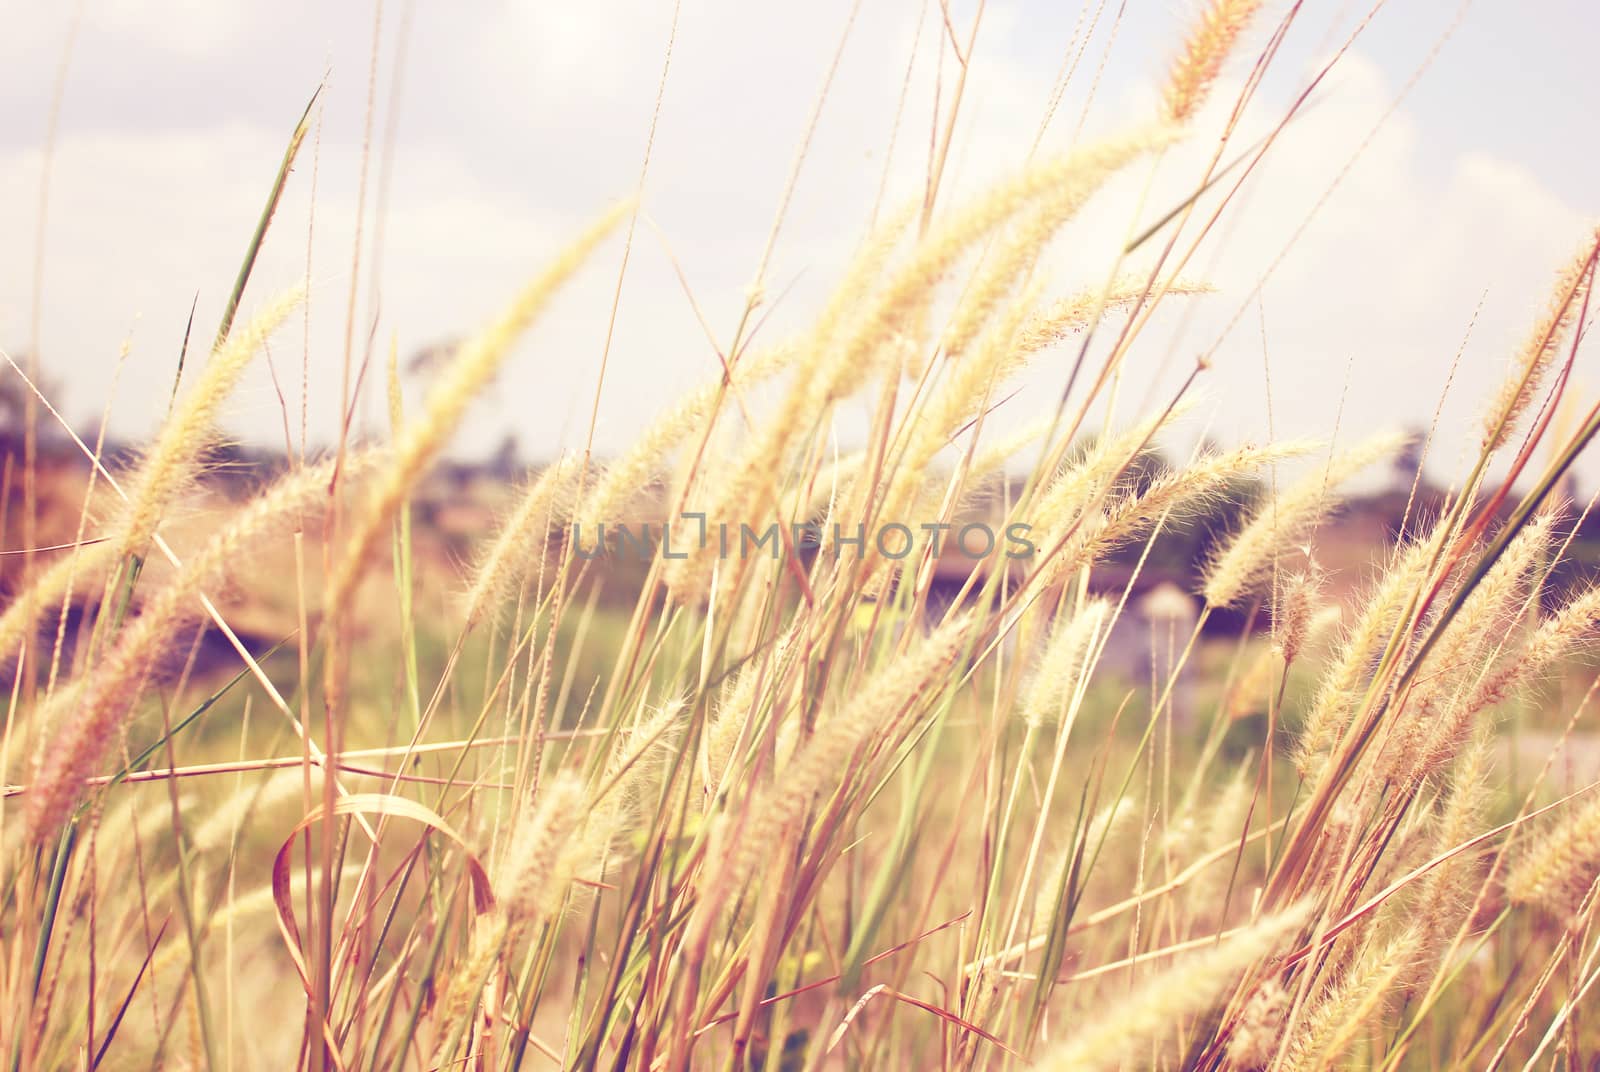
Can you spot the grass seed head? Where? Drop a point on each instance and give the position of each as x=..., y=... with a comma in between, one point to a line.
x=1285, y=521
x=1212, y=37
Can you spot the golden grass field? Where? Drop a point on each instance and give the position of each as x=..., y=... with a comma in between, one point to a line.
x=303, y=770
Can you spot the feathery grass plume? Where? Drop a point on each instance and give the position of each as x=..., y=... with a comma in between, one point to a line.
x=474, y=365
x=994, y=454
x=1539, y=352
x=1057, y=187
x=875, y=714
x=503, y=566
x=1081, y=481
x=963, y=392
x=1503, y=591
x=1182, y=491
x=539, y=862
x=864, y=274
x=1150, y=1012
x=1169, y=498
x=926, y=503
x=1214, y=819
x=1017, y=256
x=1069, y=316
x=1284, y=522
x=530, y=884
x=167, y=471
x=740, y=703
x=734, y=482
x=1108, y=820
x=1557, y=871
x=454, y=1014
x=1294, y=608
x=892, y=321
x=1435, y=722
x=1210, y=40
x=723, y=735
x=170, y=465
x=1105, y=822
x=1055, y=678
x=1444, y=896
x=231, y=910
x=827, y=494
x=1345, y=681
x=1556, y=637
x=1260, y=1027
x=971, y=381
x=928, y=499
x=1013, y=338
x=993, y=288
x=633, y=763
x=1249, y=693
x=1345, y=1008
x=96, y=712
x=1041, y=894
x=225, y=822
x=644, y=462
x=77, y=568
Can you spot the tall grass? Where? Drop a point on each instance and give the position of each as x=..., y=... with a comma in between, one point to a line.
x=788, y=806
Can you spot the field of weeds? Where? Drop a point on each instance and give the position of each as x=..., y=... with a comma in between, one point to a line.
x=972, y=743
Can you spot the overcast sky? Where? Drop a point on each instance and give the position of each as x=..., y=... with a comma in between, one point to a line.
x=514, y=124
